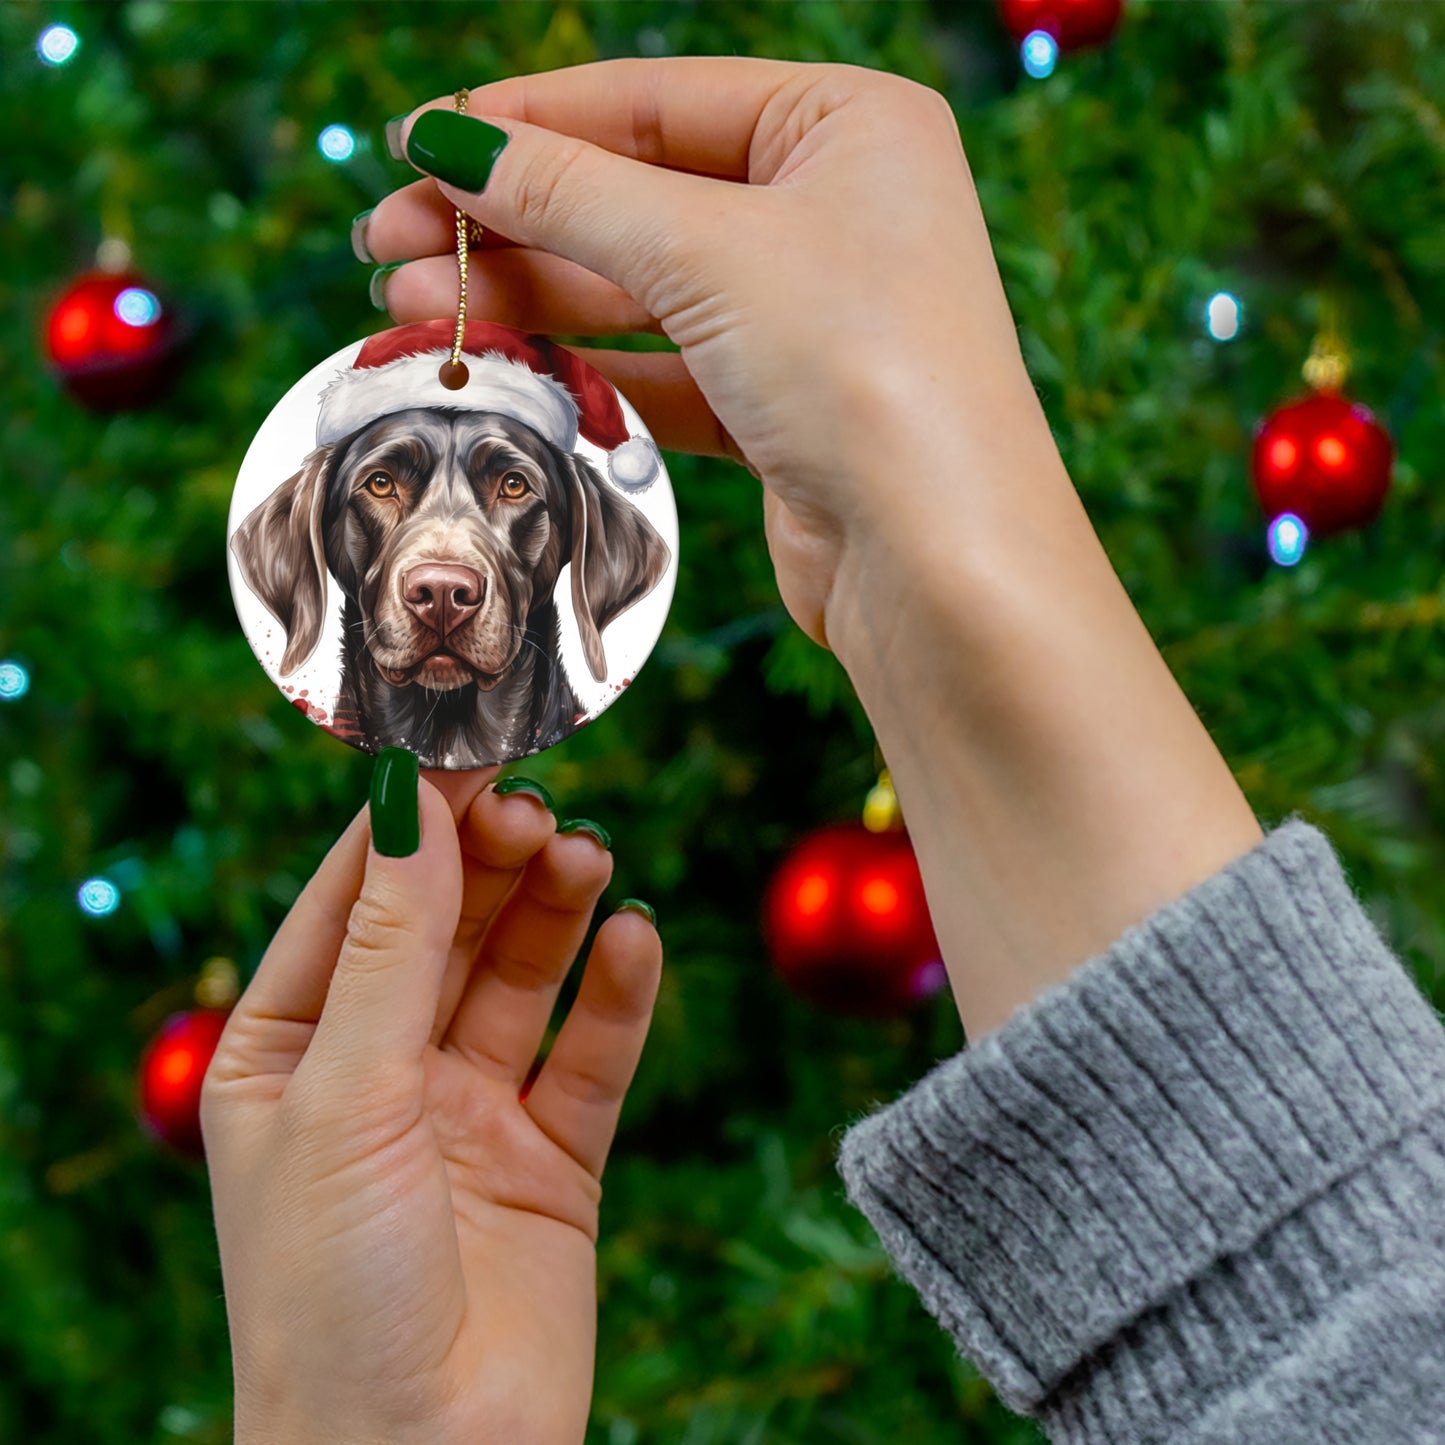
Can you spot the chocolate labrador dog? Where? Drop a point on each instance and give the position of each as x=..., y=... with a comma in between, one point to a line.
x=447, y=532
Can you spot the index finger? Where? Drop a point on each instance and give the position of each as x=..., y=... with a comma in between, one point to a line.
x=687, y=113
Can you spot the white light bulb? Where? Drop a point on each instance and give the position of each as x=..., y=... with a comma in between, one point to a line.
x=1223, y=316
x=1288, y=536
x=98, y=897
x=57, y=44
x=14, y=681
x=336, y=143
x=1040, y=53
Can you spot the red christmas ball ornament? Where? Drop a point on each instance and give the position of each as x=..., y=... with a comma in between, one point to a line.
x=1324, y=458
x=111, y=341
x=171, y=1072
x=847, y=923
x=1073, y=23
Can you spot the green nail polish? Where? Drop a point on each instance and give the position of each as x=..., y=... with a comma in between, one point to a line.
x=393, y=136
x=516, y=784
x=377, y=289
x=395, y=810
x=586, y=825
x=455, y=148
x=636, y=905
x=359, y=248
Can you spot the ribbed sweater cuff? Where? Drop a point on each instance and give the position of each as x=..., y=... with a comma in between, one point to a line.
x=1135, y=1152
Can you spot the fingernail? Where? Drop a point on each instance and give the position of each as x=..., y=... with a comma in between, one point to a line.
x=393, y=137
x=532, y=789
x=636, y=905
x=395, y=810
x=377, y=289
x=359, y=248
x=586, y=825
x=455, y=148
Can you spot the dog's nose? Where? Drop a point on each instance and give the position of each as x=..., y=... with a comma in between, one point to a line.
x=442, y=595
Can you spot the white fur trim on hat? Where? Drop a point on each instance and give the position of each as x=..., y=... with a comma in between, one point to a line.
x=635, y=464
x=497, y=383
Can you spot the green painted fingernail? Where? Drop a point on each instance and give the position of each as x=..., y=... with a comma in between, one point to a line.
x=455, y=148
x=395, y=809
x=586, y=825
x=531, y=788
x=393, y=137
x=359, y=248
x=377, y=289
x=636, y=905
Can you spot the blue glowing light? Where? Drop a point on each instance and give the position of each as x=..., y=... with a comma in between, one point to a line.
x=1223, y=316
x=336, y=143
x=98, y=897
x=57, y=44
x=1288, y=536
x=1040, y=53
x=137, y=306
x=14, y=681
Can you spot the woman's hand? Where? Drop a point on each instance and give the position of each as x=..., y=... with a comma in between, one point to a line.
x=808, y=235
x=407, y=1245
x=811, y=238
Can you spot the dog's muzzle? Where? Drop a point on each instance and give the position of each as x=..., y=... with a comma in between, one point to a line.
x=442, y=597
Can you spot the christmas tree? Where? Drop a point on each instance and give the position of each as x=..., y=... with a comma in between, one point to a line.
x=161, y=804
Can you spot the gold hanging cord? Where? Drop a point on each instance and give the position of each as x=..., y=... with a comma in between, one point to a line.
x=453, y=374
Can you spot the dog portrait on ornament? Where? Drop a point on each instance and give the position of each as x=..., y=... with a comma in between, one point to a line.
x=419, y=546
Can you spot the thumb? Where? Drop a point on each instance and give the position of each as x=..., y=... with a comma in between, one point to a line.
x=635, y=224
x=382, y=1000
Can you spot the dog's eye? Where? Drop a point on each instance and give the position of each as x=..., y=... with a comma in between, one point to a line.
x=380, y=484
x=514, y=484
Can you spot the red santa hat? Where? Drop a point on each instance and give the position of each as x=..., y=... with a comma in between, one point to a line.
x=527, y=378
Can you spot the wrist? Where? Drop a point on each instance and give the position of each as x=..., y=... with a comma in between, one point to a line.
x=946, y=526
x=1057, y=783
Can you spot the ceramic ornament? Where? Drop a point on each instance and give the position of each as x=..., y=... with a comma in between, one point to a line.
x=470, y=571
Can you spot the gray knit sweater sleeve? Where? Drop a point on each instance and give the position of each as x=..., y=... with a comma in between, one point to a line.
x=1196, y=1192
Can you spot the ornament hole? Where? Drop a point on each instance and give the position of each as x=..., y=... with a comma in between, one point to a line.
x=453, y=374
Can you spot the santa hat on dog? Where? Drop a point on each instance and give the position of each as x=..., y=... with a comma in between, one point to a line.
x=527, y=378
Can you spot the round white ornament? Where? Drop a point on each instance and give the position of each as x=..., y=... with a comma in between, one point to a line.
x=469, y=572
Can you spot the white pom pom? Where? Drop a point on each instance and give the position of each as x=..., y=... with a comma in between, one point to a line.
x=634, y=466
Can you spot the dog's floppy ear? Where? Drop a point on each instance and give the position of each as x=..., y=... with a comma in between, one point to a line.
x=283, y=560
x=616, y=554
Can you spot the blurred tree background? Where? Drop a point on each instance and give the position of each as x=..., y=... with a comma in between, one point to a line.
x=1286, y=153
